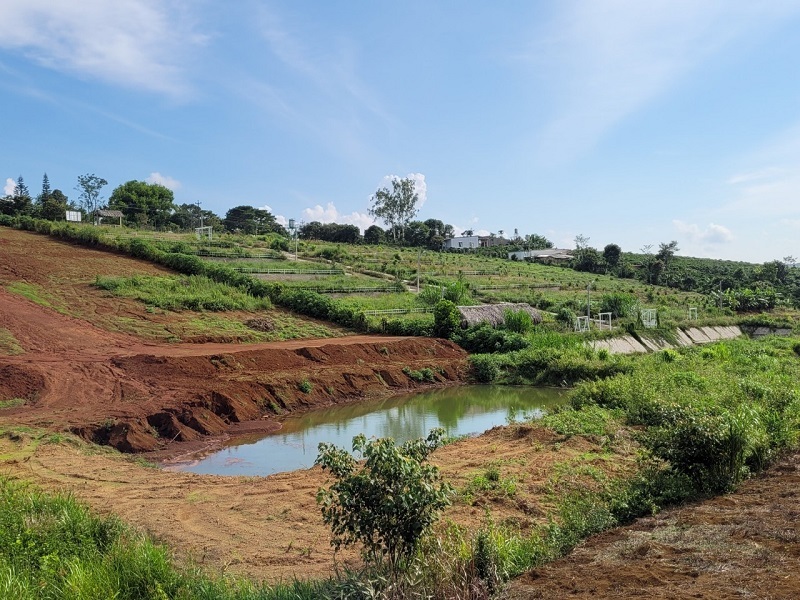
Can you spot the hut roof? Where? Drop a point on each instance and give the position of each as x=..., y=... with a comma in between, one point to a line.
x=494, y=314
x=117, y=214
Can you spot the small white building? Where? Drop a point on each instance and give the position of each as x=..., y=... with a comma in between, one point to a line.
x=473, y=241
x=462, y=242
x=551, y=255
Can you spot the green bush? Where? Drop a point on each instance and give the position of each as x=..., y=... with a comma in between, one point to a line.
x=386, y=503
x=483, y=338
x=518, y=321
x=484, y=367
x=446, y=319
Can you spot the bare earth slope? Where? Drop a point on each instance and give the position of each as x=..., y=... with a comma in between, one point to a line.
x=114, y=388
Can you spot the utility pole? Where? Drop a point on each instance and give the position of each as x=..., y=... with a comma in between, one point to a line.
x=419, y=263
x=588, y=300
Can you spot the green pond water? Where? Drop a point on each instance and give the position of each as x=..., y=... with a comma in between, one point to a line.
x=464, y=410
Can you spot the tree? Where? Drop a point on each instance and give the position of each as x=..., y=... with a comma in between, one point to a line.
x=417, y=233
x=188, y=216
x=388, y=503
x=374, y=235
x=89, y=186
x=248, y=219
x=534, y=241
x=446, y=318
x=143, y=203
x=666, y=252
x=54, y=207
x=21, y=203
x=611, y=254
x=467, y=233
x=396, y=207
x=45, y=189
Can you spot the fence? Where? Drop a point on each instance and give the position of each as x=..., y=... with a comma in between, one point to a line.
x=397, y=311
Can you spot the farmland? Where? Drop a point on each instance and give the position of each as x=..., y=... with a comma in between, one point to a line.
x=92, y=343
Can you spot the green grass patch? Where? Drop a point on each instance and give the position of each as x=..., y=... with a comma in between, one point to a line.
x=9, y=344
x=193, y=292
x=37, y=294
x=53, y=547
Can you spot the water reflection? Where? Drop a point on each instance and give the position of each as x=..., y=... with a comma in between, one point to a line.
x=460, y=411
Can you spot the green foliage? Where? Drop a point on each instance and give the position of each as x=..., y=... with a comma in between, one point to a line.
x=424, y=375
x=618, y=304
x=194, y=292
x=483, y=338
x=485, y=367
x=518, y=321
x=143, y=203
x=566, y=317
x=385, y=504
x=396, y=207
x=53, y=547
x=305, y=386
x=446, y=319
x=589, y=420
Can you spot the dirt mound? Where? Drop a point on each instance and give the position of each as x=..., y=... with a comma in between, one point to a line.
x=112, y=389
x=743, y=545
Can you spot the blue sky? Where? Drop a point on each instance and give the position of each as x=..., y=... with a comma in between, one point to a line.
x=626, y=121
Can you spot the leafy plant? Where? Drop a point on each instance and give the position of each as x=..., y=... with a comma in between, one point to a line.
x=305, y=386
x=446, y=318
x=387, y=503
x=518, y=321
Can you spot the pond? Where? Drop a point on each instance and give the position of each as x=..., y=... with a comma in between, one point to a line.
x=463, y=410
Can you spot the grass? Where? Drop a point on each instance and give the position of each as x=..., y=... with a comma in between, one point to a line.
x=36, y=293
x=11, y=403
x=182, y=293
x=53, y=547
x=9, y=344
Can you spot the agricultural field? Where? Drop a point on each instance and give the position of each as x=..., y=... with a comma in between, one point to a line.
x=124, y=295
x=639, y=432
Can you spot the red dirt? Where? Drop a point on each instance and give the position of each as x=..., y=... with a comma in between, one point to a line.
x=113, y=388
x=136, y=395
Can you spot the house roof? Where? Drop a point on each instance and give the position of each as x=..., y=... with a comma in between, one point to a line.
x=494, y=314
x=117, y=214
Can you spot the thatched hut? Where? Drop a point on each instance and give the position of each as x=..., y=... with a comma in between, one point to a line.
x=494, y=314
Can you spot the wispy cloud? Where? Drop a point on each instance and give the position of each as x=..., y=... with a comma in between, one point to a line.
x=773, y=186
x=309, y=79
x=9, y=187
x=165, y=180
x=607, y=59
x=132, y=43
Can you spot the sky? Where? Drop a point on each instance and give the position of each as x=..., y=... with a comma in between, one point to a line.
x=628, y=122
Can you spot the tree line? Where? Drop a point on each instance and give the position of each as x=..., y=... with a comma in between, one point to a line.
x=142, y=204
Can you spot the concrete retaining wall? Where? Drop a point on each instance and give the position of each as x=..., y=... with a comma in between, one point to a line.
x=628, y=344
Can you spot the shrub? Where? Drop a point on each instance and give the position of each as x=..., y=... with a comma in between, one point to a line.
x=565, y=316
x=518, y=321
x=484, y=367
x=446, y=318
x=385, y=504
x=483, y=338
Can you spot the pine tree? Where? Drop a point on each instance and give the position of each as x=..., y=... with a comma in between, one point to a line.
x=45, y=189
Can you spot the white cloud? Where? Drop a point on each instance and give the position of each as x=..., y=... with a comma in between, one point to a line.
x=713, y=234
x=330, y=214
x=279, y=219
x=8, y=188
x=607, y=59
x=420, y=186
x=165, y=180
x=132, y=43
